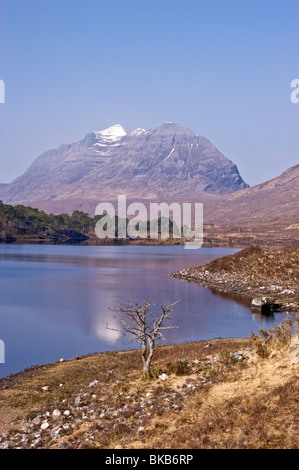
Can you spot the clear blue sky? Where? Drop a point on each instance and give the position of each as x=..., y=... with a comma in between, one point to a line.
x=220, y=67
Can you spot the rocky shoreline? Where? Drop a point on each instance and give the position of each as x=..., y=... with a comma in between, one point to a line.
x=254, y=272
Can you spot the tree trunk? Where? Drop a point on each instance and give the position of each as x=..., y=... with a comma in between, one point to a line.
x=147, y=374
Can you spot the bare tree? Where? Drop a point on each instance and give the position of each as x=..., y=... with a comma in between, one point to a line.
x=137, y=321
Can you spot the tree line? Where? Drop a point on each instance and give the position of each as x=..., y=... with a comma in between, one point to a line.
x=24, y=221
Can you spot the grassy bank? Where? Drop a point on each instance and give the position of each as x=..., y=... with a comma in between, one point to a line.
x=221, y=393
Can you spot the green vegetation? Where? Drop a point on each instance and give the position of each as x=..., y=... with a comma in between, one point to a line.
x=180, y=367
x=17, y=221
x=24, y=222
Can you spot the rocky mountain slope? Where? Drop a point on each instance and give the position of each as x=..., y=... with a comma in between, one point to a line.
x=265, y=213
x=277, y=197
x=169, y=161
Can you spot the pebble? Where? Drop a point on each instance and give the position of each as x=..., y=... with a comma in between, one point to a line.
x=92, y=384
x=36, y=421
x=163, y=376
x=56, y=414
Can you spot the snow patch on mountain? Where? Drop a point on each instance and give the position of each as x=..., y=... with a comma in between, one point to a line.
x=110, y=135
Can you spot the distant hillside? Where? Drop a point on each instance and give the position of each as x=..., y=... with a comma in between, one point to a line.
x=265, y=213
x=277, y=197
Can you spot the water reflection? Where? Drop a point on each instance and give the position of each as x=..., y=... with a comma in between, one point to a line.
x=55, y=300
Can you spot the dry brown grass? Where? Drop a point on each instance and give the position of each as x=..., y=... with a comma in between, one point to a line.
x=214, y=403
x=283, y=263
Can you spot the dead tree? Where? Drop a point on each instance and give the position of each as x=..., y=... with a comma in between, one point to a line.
x=136, y=320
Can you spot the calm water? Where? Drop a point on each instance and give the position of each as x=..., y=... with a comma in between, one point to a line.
x=54, y=300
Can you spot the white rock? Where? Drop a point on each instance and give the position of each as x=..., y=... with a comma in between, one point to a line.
x=45, y=425
x=287, y=291
x=163, y=376
x=92, y=384
x=77, y=400
x=56, y=414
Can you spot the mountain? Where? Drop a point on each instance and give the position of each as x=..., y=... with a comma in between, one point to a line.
x=265, y=213
x=275, y=198
x=170, y=161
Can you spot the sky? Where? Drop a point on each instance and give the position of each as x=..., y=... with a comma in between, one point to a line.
x=222, y=68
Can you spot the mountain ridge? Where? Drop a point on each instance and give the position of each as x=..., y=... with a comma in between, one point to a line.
x=167, y=160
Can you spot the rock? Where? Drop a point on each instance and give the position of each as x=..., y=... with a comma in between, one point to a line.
x=45, y=425
x=56, y=430
x=67, y=413
x=163, y=376
x=92, y=384
x=56, y=414
x=61, y=360
x=45, y=388
x=256, y=303
x=287, y=291
x=5, y=445
x=77, y=400
x=36, y=421
x=25, y=427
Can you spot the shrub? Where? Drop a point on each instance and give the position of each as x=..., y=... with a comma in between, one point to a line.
x=179, y=367
x=277, y=338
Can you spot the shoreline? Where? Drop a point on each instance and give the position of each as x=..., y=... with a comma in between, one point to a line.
x=222, y=240
x=243, y=280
